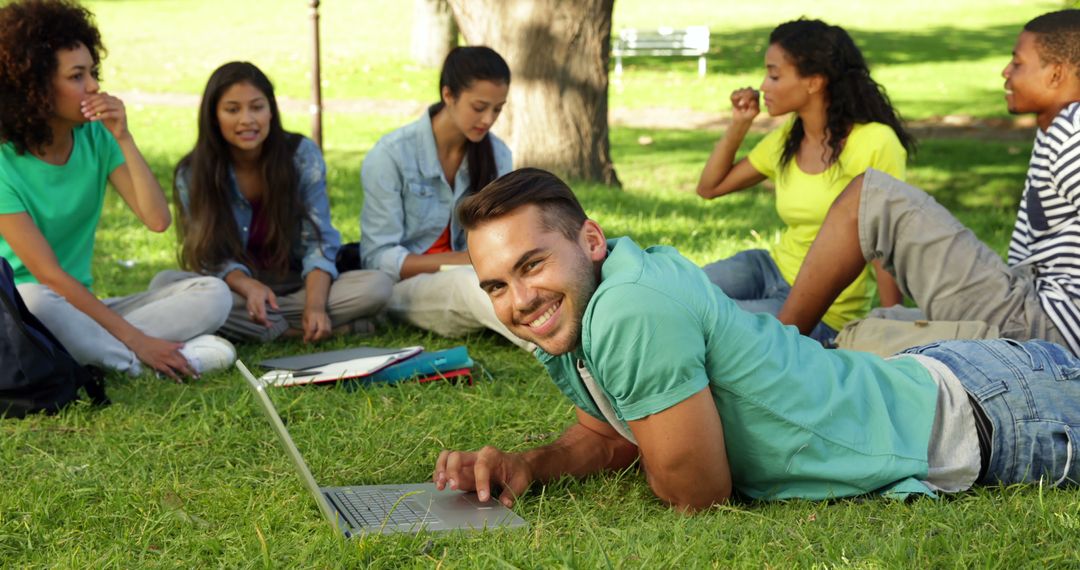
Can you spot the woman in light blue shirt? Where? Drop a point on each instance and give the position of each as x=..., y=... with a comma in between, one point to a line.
x=256, y=214
x=415, y=176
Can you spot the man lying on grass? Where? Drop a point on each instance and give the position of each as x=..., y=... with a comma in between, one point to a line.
x=939, y=263
x=663, y=367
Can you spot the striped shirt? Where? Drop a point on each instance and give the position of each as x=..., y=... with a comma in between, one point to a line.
x=1047, y=232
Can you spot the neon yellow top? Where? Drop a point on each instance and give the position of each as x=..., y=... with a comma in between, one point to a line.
x=803, y=200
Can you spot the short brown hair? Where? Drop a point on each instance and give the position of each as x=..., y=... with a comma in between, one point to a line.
x=560, y=209
x=1058, y=37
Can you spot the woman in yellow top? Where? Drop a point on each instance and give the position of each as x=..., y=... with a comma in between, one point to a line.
x=841, y=124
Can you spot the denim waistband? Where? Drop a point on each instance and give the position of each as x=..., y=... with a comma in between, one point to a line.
x=1030, y=395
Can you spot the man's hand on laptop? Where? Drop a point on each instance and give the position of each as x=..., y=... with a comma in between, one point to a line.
x=480, y=470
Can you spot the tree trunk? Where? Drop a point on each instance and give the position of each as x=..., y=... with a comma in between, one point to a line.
x=434, y=32
x=558, y=50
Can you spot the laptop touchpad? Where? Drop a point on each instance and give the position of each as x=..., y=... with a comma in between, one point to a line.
x=473, y=500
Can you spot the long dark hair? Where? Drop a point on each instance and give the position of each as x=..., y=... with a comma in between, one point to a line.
x=463, y=67
x=208, y=234
x=816, y=48
x=31, y=32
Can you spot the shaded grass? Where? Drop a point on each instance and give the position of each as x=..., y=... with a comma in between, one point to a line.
x=934, y=59
x=940, y=70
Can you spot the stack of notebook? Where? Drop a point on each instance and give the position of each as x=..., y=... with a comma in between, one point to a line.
x=452, y=364
x=369, y=365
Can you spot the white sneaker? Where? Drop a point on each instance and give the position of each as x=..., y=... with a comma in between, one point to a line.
x=208, y=352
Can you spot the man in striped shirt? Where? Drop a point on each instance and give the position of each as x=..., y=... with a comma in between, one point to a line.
x=938, y=262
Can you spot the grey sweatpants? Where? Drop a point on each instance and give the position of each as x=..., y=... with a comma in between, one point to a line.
x=940, y=264
x=174, y=310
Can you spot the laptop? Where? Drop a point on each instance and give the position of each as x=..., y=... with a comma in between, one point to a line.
x=385, y=509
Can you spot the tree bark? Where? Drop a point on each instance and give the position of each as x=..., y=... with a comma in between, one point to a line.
x=434, y=32
x=558, y=50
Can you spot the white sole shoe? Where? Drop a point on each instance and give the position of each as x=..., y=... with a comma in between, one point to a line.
x=208, y=352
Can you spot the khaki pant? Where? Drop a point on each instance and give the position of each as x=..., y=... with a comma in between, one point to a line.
x=951, y=275
x=353, y=295
x=448, y=303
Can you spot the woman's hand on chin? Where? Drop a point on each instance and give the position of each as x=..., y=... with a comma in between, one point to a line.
x=109, y=110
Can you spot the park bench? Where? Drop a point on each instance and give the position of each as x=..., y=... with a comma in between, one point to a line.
x=692, y=41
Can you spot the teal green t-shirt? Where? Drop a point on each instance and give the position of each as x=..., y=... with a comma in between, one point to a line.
x=64, y=201
x=799, y=420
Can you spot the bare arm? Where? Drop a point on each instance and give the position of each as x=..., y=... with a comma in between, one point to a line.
x=888, y=291
x=586, y=447
x=133, y=180
x=257, y=294
x=722, y=175
x=416, y=264
x=315, y=320
x=683, y=452
x=30, y=246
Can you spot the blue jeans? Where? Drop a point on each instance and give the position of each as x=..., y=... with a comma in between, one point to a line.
x=752, y=279
x=1030, y=392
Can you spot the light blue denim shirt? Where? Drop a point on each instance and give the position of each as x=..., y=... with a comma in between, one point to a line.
x=407, y=200
x=314, y=253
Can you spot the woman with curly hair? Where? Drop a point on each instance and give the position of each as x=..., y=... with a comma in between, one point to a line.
x=256, y=214
x=61, y=140
x=841, y=124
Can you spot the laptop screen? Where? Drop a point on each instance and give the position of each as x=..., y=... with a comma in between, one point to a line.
x=286, y=441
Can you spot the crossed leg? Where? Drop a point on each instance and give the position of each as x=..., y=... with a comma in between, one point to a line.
x=938, y=262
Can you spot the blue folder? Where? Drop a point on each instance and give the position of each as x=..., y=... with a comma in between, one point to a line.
x=422, y=365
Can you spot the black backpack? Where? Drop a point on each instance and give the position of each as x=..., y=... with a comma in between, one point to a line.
x=36, y=372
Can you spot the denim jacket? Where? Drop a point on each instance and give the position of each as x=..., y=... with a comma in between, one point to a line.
x=313, y=253
x=407, y=200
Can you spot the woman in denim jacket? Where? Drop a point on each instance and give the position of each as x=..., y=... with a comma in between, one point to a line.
x=415, y=176
x=256, y=214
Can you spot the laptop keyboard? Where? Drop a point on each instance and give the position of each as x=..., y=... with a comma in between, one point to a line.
x=376, y=507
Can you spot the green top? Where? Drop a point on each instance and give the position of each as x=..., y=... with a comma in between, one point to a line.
x=64, y=201
x=799, y=420
x=803, y=200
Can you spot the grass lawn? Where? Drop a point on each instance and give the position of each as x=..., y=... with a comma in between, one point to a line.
x=935, y=58
x=190, y=475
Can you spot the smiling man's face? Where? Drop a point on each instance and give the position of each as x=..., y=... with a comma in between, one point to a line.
x=538, y=280
x=1027, y=78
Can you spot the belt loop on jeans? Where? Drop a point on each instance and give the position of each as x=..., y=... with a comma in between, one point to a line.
x=983, y=431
